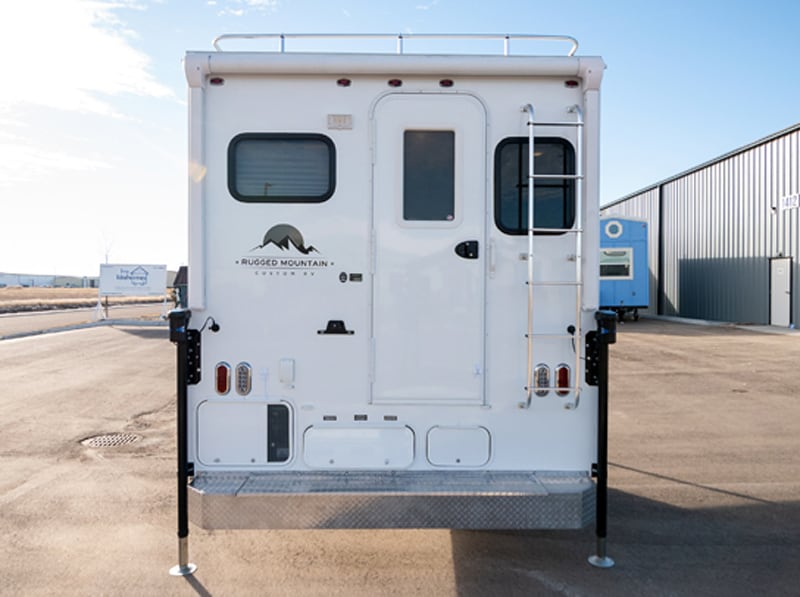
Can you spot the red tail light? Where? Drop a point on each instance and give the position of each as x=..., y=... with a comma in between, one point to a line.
x=222, y=378
x=563, y=375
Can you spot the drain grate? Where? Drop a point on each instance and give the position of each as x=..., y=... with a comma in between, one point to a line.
x=111, y=440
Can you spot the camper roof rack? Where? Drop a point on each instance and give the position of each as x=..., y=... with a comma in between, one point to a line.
x=398, y=38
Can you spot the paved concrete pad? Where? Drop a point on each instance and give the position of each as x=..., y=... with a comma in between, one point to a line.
x=705, y=496
x=18, y=325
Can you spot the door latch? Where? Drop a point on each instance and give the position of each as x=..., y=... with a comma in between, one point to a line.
x=468, y=249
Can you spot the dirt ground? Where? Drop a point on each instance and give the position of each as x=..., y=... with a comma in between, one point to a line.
x=704, y=484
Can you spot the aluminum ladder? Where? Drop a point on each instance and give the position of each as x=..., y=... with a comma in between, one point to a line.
x=577, y=231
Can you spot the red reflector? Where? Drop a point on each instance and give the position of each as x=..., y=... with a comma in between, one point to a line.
x=572, y=84
x=223, y=378
x=216, y=81
x=394, y=82
x=343, y=82
x=446, y=83
x=562, y=379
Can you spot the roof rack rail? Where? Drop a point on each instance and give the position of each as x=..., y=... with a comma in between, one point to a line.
x=399, y=38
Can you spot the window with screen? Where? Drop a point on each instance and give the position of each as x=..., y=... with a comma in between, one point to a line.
x=281, y=168
x=616, y=264
x=429, y=175
x=554, y=198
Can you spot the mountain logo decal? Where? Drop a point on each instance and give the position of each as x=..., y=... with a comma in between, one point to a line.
x=283, y=235
x=289, y=264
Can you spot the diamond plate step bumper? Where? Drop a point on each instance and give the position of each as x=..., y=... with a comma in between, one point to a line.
x=425, y=499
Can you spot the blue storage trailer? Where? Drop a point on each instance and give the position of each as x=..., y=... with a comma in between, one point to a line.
x=624, y=273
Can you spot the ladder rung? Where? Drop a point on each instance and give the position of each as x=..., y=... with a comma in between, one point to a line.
x=556, y=176
x=559, y=123
x=566, y=390
x=555, y=283
x=563, y=335
x=562, y=230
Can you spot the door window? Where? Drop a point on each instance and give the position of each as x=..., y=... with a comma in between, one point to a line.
x=429, y=175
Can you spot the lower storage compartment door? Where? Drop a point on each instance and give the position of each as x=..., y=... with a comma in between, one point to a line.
x=355, y=448
x=459, y=446
x=243, y=433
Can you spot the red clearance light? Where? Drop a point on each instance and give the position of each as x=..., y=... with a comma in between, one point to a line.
x=562, y=379
x=571, y=83
x=222, y=378
x=216, y=81
x=446, y=83
x=394, y=83
x=343, y=82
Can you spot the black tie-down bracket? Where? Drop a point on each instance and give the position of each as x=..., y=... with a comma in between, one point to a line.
x=334, y=327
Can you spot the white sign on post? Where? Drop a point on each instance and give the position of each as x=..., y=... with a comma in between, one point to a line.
x=133, y=280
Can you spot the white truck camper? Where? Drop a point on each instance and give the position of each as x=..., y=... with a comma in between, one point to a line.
x=393, y=289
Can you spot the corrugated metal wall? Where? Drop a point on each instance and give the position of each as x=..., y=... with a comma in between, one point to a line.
x=787, y=222
x=714, y=229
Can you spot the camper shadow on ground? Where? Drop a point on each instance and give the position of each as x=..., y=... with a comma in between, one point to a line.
x=659, y=549
x=147, y=333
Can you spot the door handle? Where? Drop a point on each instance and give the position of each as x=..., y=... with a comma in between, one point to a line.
x=468, y=249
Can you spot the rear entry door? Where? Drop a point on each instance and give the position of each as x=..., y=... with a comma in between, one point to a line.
x=429, y=210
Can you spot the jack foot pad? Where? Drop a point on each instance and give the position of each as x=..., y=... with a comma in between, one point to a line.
x=179, y=570
x=601, y=561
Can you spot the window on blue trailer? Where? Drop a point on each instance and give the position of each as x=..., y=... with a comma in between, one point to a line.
x=616, y=263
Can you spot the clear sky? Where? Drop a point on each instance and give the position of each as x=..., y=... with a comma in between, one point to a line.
x=93, y=110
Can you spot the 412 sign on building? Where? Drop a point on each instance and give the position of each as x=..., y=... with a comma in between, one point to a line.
x=790, y=201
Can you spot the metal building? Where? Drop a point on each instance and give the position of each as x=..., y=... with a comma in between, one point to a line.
x=724, y=237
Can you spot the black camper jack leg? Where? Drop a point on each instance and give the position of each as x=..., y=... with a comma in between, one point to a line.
x=187, y=342
x=597, y=375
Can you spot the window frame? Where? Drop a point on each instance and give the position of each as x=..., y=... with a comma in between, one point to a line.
x=569, y=202
x=252, y=136
x=629, y=254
